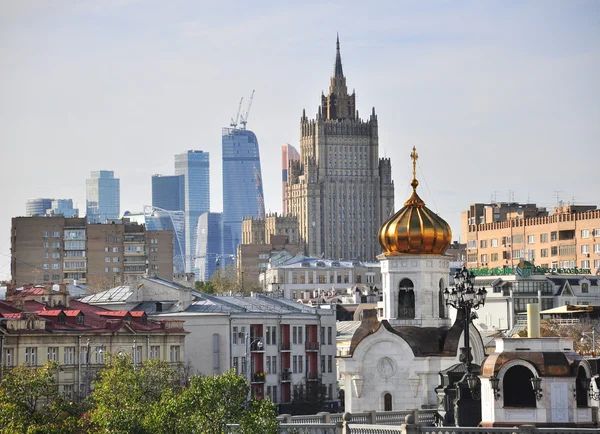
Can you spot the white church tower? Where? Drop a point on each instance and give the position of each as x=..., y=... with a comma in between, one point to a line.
x=394, y=361
x=414, y=269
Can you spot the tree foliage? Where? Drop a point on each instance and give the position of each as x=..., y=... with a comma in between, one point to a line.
x=580, y=332
x=137, y=399
x=30, y=402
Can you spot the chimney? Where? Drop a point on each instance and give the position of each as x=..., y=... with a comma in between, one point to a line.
x=533, y=320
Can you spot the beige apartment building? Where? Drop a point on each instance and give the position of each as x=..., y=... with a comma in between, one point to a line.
x=39, y=323
x=501, y=235
x=59, y=249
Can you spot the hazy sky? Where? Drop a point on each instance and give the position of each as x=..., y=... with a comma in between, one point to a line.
x=497, y=96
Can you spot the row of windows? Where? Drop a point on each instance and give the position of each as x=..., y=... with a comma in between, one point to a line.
x=238, y=335
x=69, y=356
x=55, y=234
x=531, y=239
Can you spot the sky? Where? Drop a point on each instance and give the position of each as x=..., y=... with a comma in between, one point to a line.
x=501, y=99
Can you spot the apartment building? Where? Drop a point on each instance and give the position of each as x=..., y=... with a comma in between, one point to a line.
x=501, y=237
x=59, y=249
x=304, y=277
x=40, y=323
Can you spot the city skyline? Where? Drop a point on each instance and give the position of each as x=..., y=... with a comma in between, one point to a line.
x=494, y=96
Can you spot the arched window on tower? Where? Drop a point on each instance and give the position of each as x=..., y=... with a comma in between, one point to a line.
x=406, y=299
x=387, y=402
x=441, y=301
x=517, y=388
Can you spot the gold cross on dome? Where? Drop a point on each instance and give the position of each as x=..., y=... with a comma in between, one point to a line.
x=414, y=157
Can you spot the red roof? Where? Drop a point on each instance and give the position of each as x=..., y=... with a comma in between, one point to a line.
x=72, y=312
x=117, y=313
x=137, y=313
x=36, y=290
x=12, y=315
x=54, y=312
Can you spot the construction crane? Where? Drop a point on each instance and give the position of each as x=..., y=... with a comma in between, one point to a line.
x=237, y=117
x=244, y=118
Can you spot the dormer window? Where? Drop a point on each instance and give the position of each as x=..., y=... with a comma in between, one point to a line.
x=79, y=319
x=585, y=288
x=61, y=318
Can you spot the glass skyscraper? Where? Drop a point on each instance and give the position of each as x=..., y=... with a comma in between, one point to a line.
x=194, y=165
x=168, y=192
x=38, y=206
x=242, y=180
x=157, y=219
x=103, y=196
x=213, y=248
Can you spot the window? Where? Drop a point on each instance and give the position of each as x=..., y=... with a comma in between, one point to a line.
x=155, y=352
x=329, y=335
x=494, y=242
x=107, y=269
x=235, y=365
x=234, y=336
x=530, y=239
x=242, y=335
x=8, y=356
x=116, y=269
x=268, y=365
x=115, y=259
x=494, y=257
x=596, y=248
x=553, y=236
x=585, y=233
x=244, y=366
x=483, y=244
x=274, y=395
x=31, y=356
x=471, y=244
x=544, y=253
x=46, y=234
x=585, y=288
x=55, y=244
x=46, y=255
x=137, y=355
x=56, y=266
x=274, y=364
x=115, y=250
x=300, y=364
x=46, y=266
x=322, y=340
x=300, y=340
x=294, y=335
x=585, y=264
x=107, y=259
x=69, y=355
x=554, y=251
x=295, y=364
x=484, y=258
x=322, y=363
x=329, y=363
x=55, y=234
x=107, y=249
x=46, y=244
x=472, y=257
x=53, y=354
x=174, y=353
x=543, y=238
x=585, y=249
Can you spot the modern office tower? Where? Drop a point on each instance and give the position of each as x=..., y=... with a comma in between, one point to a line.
x=242, y=180
x=38, y=206
x=60, y=249
x=103, y=196
x=157, y=219
x=63, y=207
x=168, y=192
x=340, y=189
x=288, y=153
x=213, y=248
x=194, y=165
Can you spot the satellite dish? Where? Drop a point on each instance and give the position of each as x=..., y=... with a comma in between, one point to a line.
x=520, y=211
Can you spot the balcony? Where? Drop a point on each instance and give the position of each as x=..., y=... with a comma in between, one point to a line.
x=312, y=376
x=312, y=346
x=286, y=376
x=259, y=377
x=285, y=346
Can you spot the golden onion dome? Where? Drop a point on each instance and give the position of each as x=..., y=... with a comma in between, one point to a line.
x=415, y=229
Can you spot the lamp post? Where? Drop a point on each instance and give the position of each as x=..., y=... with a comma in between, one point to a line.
x=259, y=345
x=99, y=351
x=464, y=298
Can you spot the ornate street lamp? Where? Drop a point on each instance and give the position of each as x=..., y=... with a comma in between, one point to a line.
x=463, y=297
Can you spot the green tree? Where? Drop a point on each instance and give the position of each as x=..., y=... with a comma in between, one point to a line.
x=205, y=287
x=125, y=393
x=31, y=403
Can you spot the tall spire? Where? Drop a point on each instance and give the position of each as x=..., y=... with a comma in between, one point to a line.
x=338, y=72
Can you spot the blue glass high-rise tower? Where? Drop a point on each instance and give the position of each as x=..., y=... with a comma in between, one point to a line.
x=242, y=180
x=194, y=165
x=213, y=248
x=168, y=192
x=103, y=196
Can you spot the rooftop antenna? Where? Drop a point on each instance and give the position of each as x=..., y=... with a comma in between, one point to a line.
x=244, y=117
x=557, y=194
x=234, y=123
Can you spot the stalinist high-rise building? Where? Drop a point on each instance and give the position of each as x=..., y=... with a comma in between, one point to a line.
x=340, y=189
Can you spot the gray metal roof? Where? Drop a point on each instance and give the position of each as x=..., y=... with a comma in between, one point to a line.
x=114, y=295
